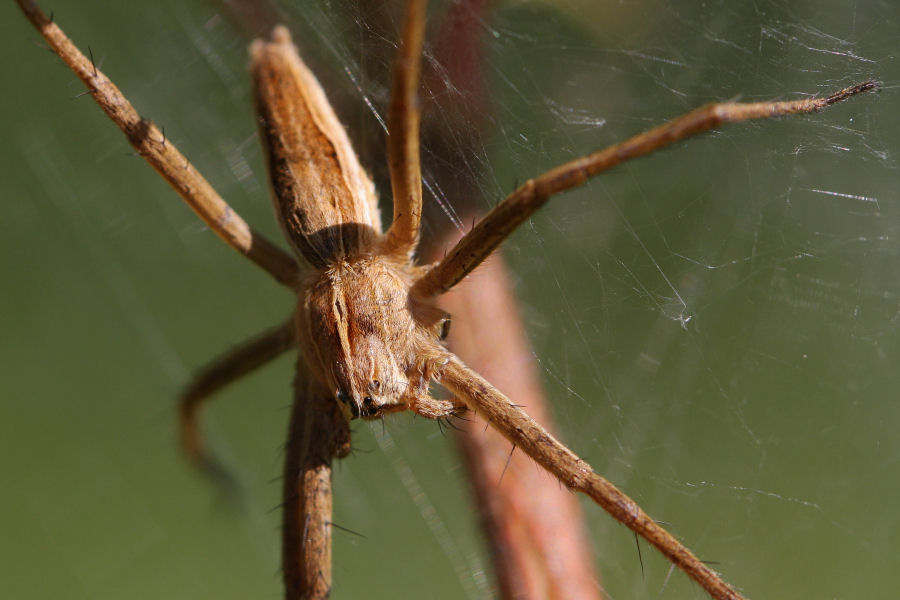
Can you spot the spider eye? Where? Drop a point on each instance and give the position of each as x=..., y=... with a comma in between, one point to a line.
x=370, y=409
x=445, y=329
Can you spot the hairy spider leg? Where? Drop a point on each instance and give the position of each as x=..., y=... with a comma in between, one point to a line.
x=484, y=237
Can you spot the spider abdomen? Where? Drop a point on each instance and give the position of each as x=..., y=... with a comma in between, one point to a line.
x=324, y=200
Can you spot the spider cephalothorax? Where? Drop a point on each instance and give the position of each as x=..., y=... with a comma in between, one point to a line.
x=372, y=343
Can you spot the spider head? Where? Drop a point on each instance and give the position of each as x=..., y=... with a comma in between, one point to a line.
x=365, y=339
x=368, y=381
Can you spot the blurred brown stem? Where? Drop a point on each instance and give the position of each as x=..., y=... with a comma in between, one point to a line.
x=533, y=527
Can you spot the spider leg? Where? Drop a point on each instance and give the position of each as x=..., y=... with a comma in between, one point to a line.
x=318, y=433
x=231, y=366
x=437, y=410
x=163, y=156
x=574, y=473
x=403, y=136
x=482, y=239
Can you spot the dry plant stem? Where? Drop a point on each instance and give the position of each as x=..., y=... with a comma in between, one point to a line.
x=244, y=358
x=528, y=198
x=534, y=526
x=318, y=433
x=403, y=136
x=574, y=473
x=163, y=156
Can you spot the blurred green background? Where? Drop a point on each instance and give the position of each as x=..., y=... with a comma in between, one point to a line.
x=717, y=325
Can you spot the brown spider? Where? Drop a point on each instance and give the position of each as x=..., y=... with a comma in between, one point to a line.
x=366, y=325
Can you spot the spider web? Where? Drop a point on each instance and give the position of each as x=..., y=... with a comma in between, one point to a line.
x=716, y=325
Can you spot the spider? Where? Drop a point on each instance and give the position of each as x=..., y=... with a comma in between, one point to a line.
x=368, y=332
